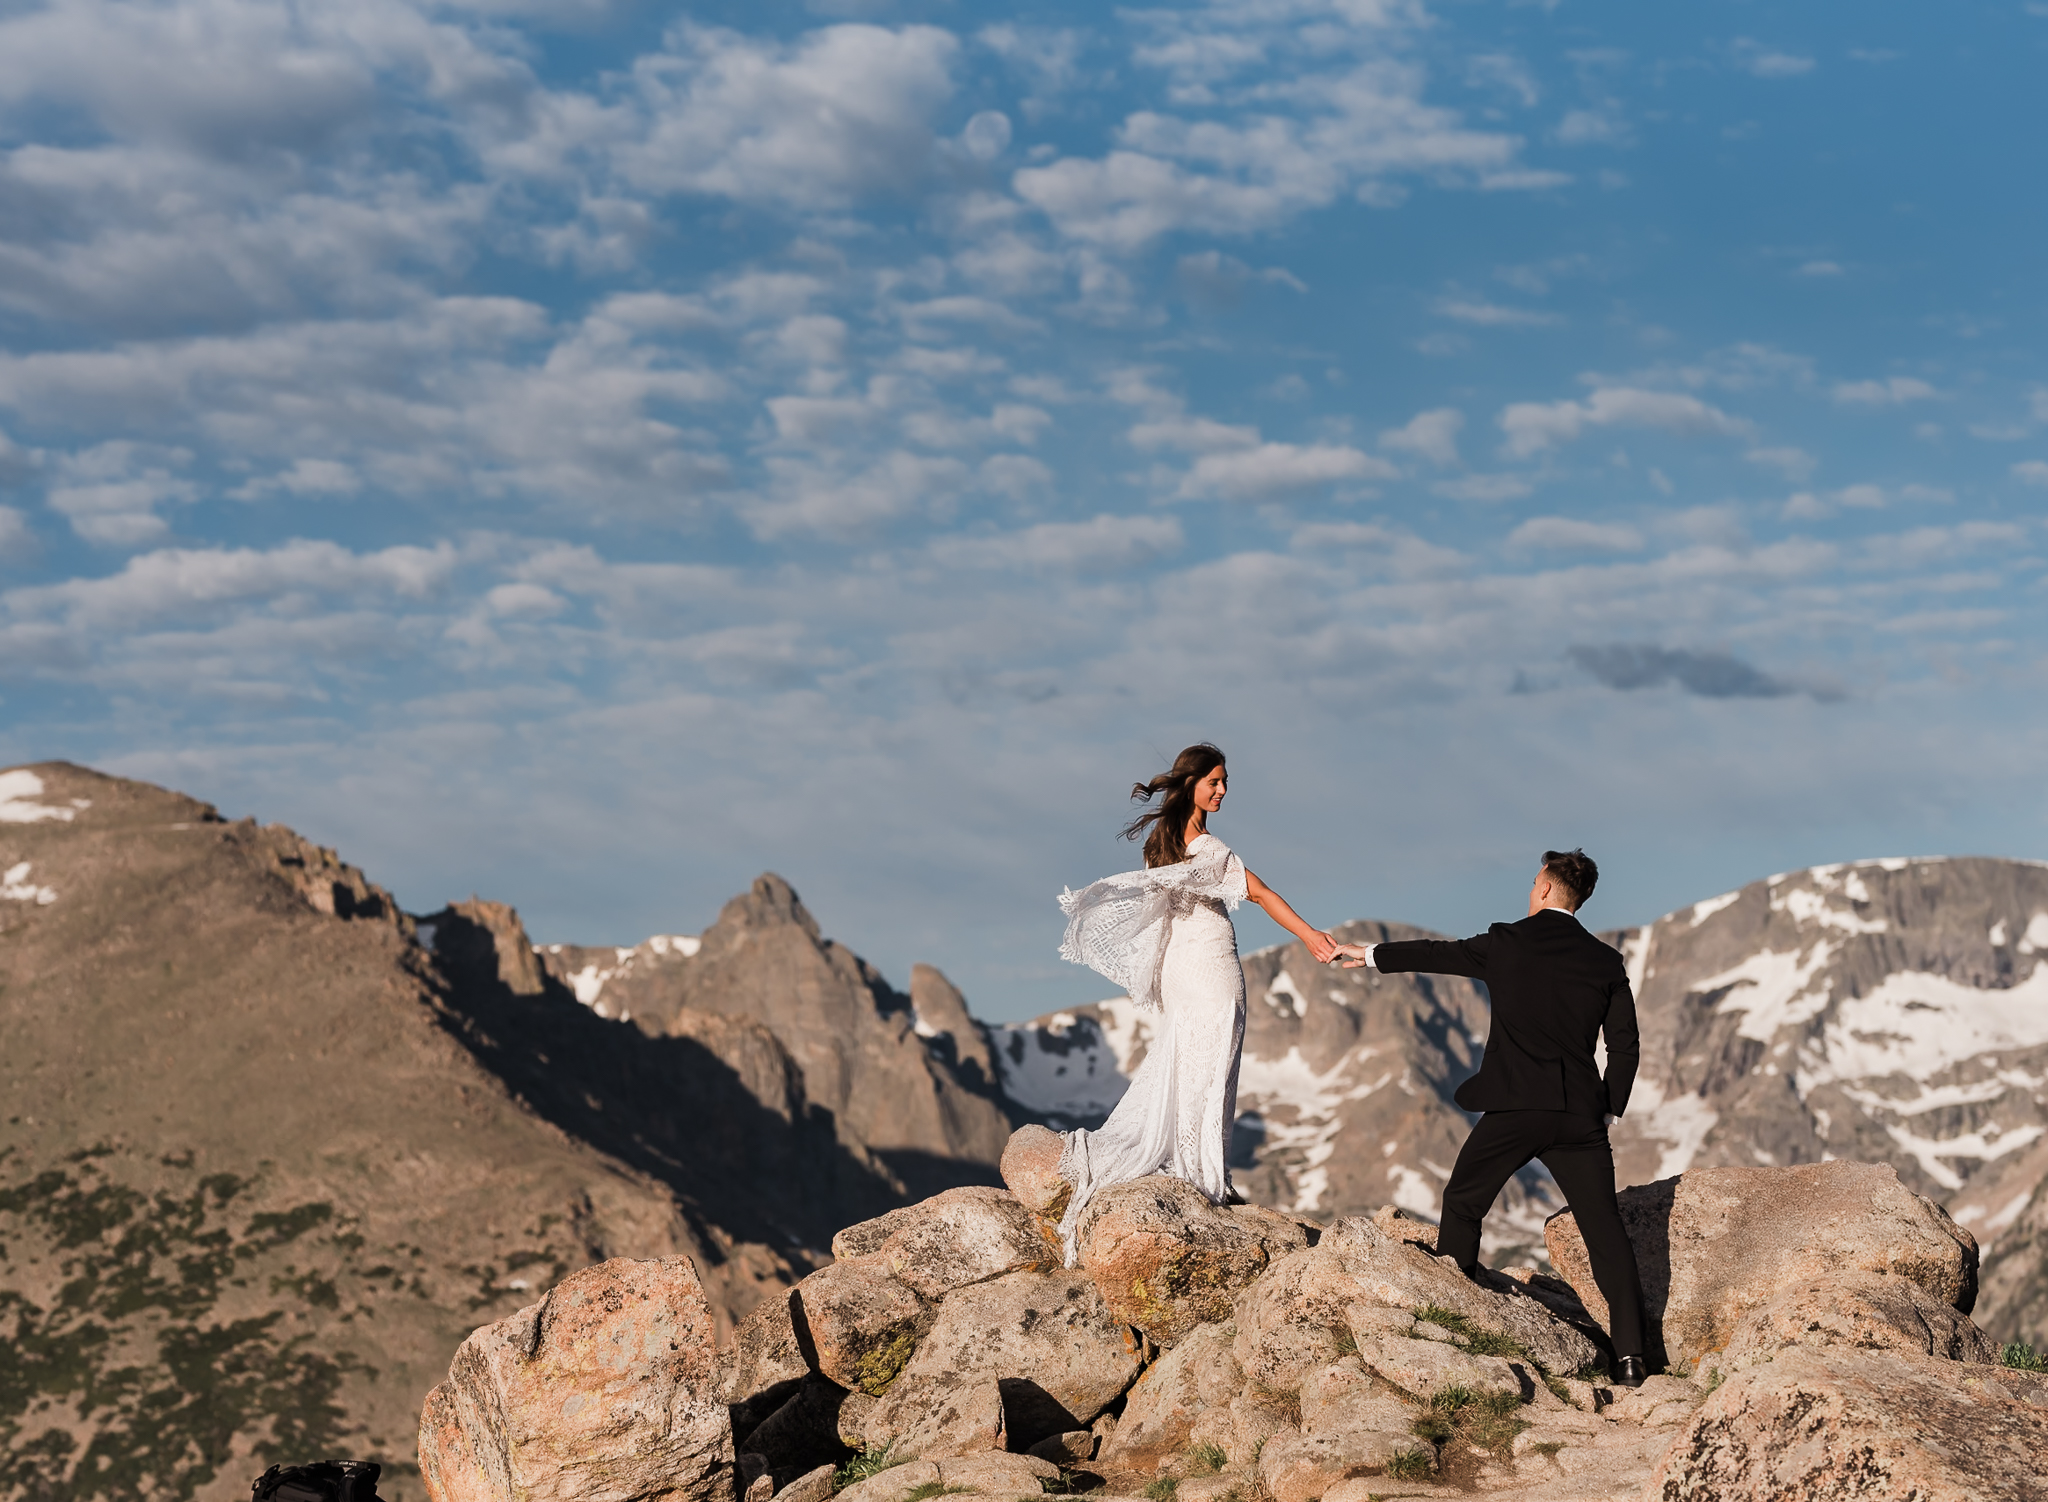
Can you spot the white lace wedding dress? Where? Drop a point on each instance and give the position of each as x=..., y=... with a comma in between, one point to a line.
x=1165, y=936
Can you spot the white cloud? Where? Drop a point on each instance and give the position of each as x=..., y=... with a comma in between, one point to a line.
x=1493, y=315
x=16, y=539
x=2032, y=471
x=1532, y=427
x=1760, y=61
x=1273, y=469
x=1820, y=268
x=1591, y=128
x=1431, y=435
x=815, y=123
x=1102, y=543
x=1892, y=392
x=1352, y=130
x=1567, y=534
x=1793, y=463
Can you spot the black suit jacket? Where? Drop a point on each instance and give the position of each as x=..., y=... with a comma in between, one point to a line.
x=1554, y=988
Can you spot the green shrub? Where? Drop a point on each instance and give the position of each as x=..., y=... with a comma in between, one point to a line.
x=2023, y=1359
x=864, y=1465
x=929, y=1489
x=1206, y=1460
x=1163, y=1489
x=1479, y=1340
x=1411, y=1465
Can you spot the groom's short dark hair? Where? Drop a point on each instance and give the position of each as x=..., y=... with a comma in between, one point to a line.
x=1574, y=871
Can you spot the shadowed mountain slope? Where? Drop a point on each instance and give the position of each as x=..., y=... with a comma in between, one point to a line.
x=265, y=1163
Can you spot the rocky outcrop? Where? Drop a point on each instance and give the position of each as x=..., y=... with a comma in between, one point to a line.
x=1337, y=1372
x=908, y=1089
x=1845, y=1423
x=1719, y=1246
x=1167, y=1260
x=605, y=1390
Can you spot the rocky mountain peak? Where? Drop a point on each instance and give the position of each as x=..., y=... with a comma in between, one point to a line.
x=771, y=903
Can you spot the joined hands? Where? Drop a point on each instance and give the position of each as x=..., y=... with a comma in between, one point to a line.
x=1353, y=955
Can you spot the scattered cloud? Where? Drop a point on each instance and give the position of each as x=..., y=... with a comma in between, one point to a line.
x=1431, y=435
x=1760, y=61
x=1567, y=534
x=1533, y=427
x=1892, y=392
x=1493, y=315
x=1793, y=463
x=2031, y=471
x=1276, y=469
x=1710, y=675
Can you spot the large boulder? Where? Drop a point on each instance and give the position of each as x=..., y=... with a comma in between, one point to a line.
x=935, y=1416
x=1031, y=1167
x=1297, y=1467
x=1716, y=1245
x=1396, y=1272
x=1167, y=1260
x=1198, y=1376
x=962, y=1236
x=765, y=1352
x=1869, y=1312
x=1843, y=1423
x=858, y=1324
x=606, y=1390
x=1046, y=1339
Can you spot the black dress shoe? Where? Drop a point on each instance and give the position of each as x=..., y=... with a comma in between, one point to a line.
x=1630, y=1372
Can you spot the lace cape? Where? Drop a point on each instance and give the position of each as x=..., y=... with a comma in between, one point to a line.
x=1119, y=926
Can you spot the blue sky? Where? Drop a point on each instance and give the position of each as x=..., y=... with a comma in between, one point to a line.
x=588, y=453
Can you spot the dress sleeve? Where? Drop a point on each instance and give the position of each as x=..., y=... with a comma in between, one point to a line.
x=1118, y=927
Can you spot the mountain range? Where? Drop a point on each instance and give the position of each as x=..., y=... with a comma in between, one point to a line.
x=273, y=1146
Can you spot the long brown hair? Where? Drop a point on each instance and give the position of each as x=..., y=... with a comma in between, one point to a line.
x=1167, y=842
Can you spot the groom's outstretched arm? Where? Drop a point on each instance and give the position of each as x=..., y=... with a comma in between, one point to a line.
x=1434, y=956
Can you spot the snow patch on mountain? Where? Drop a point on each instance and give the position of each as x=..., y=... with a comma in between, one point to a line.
x=1919, y=1025
x=18, y=791
x=16, y=887
x=1292, y=1084
x=1679, y=1125
x=1072, y=1065
x=1771, y=989
x=1702, y=911
x=1986, y=1143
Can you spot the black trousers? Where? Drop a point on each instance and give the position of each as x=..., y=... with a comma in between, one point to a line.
x=1576, y=1151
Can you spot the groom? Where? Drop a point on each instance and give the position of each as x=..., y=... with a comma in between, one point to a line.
x=1555, y=989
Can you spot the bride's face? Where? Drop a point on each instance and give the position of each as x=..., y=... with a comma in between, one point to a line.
x=1210, y=790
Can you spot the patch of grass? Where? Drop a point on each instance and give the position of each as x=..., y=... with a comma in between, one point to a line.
x=867, y=1463
x=1285, y=1401
x=1714, y=1379
x=928, y=1489
x=1489, y=1420
x=1412, y=1464
x=1592, y=1371
x=1206, y=1460
x=2022, y=1358
x=1557, y=1389
x=1163, y=1489
x=1347, y=1343
x=1479, y=1340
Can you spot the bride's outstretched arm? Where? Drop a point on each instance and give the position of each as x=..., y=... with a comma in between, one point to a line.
x=1320, y=944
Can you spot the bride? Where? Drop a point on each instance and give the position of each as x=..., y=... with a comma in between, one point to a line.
x=1164, y=935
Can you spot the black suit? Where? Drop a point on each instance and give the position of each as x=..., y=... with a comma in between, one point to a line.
x=1555, y=988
